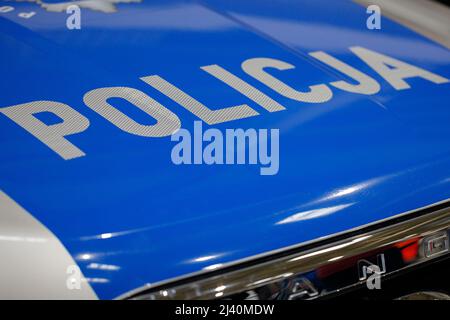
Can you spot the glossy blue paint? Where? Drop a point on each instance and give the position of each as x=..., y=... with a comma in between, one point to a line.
x=356, y=159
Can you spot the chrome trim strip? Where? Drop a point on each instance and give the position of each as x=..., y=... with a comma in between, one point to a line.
x=270, y=271
x=428, y=18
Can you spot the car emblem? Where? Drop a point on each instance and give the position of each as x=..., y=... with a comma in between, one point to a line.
x=436, y=244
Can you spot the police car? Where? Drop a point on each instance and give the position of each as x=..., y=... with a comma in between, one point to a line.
x=92, y=205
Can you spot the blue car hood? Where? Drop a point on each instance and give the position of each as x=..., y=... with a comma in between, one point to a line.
x=350, y=161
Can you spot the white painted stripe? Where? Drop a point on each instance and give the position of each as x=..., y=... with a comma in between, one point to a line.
x=33, y=262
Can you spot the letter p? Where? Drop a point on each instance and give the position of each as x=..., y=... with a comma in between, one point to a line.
x=51, y=135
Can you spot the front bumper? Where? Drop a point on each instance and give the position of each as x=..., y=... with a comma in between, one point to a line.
x=323, y=268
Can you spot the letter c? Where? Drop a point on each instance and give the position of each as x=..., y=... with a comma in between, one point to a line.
x=255, y=68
